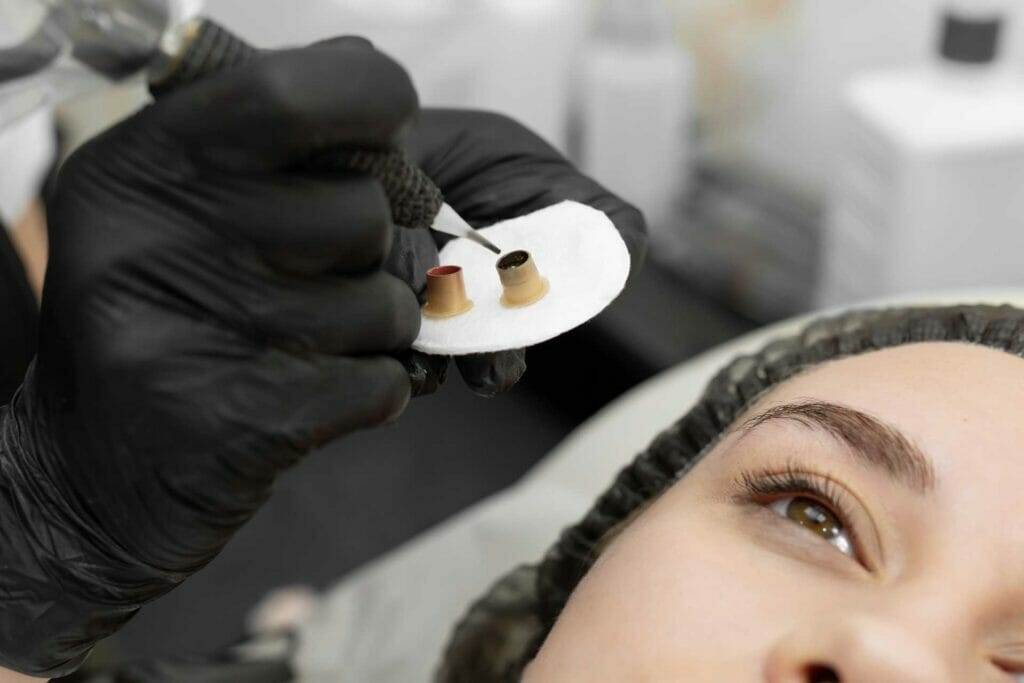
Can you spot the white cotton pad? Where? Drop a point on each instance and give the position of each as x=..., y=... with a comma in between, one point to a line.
x=576, y=248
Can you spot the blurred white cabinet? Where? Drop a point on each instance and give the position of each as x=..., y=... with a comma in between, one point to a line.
x=928, y=189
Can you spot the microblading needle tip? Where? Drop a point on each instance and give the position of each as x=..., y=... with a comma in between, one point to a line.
x=451, y=223
x=475, y=236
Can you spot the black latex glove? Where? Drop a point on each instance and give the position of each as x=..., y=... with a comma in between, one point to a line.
x=210, y=315
x=491, y=168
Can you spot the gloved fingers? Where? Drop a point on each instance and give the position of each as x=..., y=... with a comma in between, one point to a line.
x=374, y=313
x=486, y=374
x=492, y=168
x=367, y=392
x=489, y=374
x=413, y=253
x=316, y=224
x=323, y=397
x=426, y=373
x=285, y=105
x=300, y=223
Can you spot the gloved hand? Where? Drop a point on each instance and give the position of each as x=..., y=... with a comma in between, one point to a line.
x=491, y=168
x=210, y=315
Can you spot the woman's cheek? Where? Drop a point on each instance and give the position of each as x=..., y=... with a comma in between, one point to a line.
x=680, y=594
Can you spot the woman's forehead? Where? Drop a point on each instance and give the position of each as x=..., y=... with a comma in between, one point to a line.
x=965, y=381
x=960, y=404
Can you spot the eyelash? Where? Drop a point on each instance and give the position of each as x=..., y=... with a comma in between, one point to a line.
x=767, y=486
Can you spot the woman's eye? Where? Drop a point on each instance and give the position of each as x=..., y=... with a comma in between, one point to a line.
x=817, y=518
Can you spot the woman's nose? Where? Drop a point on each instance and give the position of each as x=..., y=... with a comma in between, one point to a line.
x=855, y=650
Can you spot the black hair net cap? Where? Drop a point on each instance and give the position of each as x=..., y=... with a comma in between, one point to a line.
x=503, y=630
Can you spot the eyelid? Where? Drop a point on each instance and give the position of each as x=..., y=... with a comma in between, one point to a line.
x=771, y=484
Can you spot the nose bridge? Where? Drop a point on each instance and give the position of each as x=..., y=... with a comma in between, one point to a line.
x=856, y=647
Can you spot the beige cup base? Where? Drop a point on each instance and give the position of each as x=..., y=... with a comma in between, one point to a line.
x=441, y=315
x=545, y=286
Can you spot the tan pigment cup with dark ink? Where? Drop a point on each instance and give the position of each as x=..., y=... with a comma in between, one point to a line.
x=520, y=279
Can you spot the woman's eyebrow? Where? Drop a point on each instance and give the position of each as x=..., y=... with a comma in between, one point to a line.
x=869, y=440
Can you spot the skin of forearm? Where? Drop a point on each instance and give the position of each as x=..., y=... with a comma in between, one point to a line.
x=30, y=241
x=7, y=676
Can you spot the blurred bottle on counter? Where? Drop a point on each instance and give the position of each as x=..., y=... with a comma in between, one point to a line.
x=928, y=191
x=632, y=111
x=526, y=63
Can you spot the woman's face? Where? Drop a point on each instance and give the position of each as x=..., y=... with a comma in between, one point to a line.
x=864, y=522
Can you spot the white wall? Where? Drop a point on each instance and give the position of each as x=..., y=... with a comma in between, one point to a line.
x=508, y=55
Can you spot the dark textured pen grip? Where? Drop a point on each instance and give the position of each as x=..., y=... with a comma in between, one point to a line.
x=414, y=198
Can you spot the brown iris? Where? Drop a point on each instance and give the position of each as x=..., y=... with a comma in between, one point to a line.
x=813, y=515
